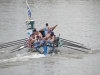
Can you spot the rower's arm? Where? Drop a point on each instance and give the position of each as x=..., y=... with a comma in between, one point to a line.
x=53, y=27
x=40, y=35
x=41, y=29
x=53, y=38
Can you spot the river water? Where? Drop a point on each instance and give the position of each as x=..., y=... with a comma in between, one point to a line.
x=78, y=20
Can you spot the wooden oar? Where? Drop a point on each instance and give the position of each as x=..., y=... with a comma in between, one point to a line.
x=74, y=48
x=13, y=43
x=71, y=41
x=18, y=48
x=73, y=44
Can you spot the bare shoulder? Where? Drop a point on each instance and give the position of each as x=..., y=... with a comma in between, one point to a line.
x=40, y=33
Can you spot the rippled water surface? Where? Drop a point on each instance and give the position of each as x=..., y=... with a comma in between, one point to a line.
x=78, y=20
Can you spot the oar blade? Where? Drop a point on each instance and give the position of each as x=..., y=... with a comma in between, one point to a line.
x=67, y=43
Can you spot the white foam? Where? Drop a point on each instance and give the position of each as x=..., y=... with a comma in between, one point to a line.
x=22, y=57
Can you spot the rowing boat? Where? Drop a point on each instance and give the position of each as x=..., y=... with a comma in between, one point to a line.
x=45, y=48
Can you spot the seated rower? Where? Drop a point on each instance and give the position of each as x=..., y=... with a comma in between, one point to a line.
x=37, y=33
x=51, y=39
x=44, y=30
x=38, y=38
x=33, y=38
x=47, y=36
x=30, y=40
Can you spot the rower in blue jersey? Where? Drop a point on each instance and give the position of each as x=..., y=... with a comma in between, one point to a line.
x=46, y=29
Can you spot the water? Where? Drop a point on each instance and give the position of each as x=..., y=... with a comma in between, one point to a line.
x=78, y=20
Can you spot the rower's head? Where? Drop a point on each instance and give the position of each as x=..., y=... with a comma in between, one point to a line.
x=33, y=35
x=46, y=24
x=35, y=32
x=52, y=33
x=34, y=29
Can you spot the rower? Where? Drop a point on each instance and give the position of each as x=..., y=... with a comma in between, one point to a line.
x=37, y=33
x=47, y=36
x=46, y=29
x=30, y=39
x=51, y=38
x=38, y=38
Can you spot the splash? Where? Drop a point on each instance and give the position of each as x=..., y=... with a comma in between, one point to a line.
x=23, y=57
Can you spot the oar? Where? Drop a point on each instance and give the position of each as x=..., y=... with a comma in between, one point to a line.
x=13, y=43
x=73, y=44
x=74, y=48
x=10, y=46
x=71, y=41
x=18, y=48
